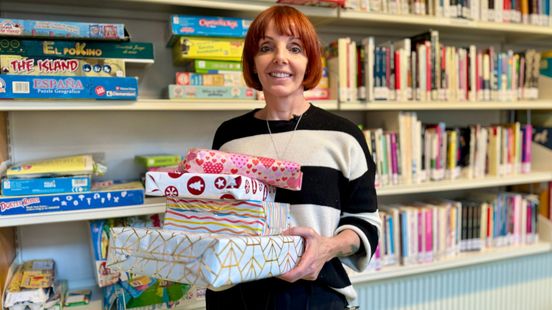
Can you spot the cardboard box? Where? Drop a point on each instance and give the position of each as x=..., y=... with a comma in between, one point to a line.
x=226, y=216
x=62, y=30
x=128, y=51
x=210, y=92
x=41, y=186
x=204, y=260
x=68, y=87
x=207, y=48
x=210, y=186
x=52, y=66
x=209, y=26
x=118, y=195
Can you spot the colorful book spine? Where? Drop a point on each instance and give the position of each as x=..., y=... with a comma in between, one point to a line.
x=230, y=49
x=40, y=186
x=19, y=65
x=62, y=30
x=209, y=26
x=210, y=92
x=64, y=87
x=129, y=51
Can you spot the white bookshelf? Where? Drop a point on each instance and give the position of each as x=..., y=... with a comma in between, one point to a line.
x=462, y=184
x=477, y=27
x=461, y=260
x=143, y=105
x=446, y=105
x=151, y=206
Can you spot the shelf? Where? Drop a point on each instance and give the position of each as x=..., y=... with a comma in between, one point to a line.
x=446, y=105
x=152, y=206
x=143, y=105
x=245, y=105
x=462, y=260
x=461, y=184
x=440, y=23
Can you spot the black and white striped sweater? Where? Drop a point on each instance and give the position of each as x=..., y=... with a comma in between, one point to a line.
x=338, y=179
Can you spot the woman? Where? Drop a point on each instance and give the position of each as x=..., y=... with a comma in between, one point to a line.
x=336, y=210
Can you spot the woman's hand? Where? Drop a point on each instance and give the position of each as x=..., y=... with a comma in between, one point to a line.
x=319, y=250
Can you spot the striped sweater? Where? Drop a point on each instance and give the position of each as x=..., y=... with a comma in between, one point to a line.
x=338, y=179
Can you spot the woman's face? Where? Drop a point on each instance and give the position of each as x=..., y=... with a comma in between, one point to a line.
x=280, y=64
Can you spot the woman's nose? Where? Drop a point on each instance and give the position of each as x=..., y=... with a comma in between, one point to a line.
x=280, y=56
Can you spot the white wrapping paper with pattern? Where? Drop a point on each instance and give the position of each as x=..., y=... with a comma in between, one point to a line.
x=205, y=260
x=210, y=186
x=226, y=216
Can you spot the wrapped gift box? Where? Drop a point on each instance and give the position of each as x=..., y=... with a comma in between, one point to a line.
x=205, y=260
x=228, y=216
x=275, y=172
x=210, y=186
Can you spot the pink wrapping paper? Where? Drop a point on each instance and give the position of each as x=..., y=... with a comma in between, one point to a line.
x=279, y=173
x=209, y=186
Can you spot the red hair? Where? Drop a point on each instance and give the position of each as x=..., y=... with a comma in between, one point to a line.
x=287, y=21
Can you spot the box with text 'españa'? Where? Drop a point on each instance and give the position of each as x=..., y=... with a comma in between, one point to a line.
x=68, y=87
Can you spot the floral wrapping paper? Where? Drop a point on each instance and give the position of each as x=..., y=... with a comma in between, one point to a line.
x=205, y=260
x=210, y=186
x=279, y=173
x=235, y=217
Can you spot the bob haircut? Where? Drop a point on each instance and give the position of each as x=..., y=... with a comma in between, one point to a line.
x=287, y=21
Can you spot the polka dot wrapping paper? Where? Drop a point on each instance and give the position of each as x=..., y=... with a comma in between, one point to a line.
x=279, y=173
x=210, y=186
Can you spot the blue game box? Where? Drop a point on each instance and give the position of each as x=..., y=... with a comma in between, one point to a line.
x=62, y=30
x=117, y=195
x=68, y=87
x=207, y=26
x=42, y=186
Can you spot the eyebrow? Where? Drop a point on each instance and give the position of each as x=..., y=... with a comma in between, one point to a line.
x=291, y=38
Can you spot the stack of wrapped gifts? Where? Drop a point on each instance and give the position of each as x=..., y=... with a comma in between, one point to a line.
x=221, y=227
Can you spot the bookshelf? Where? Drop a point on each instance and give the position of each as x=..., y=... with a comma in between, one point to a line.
x=46, y=127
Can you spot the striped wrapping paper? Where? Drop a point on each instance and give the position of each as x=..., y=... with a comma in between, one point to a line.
x=207, y=186
x=279, y=173
x=235, y=217
x=204, y=260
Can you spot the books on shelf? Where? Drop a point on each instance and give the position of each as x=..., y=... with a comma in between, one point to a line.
x=421, y=68
x=411, y=152
x=415, y=233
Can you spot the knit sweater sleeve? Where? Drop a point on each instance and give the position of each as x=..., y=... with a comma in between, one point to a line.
x=359, y=212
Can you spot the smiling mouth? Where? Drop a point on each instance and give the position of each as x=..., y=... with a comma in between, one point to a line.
x=280, y=74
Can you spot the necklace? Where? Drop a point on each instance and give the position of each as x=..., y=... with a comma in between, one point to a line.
x=288, y=142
